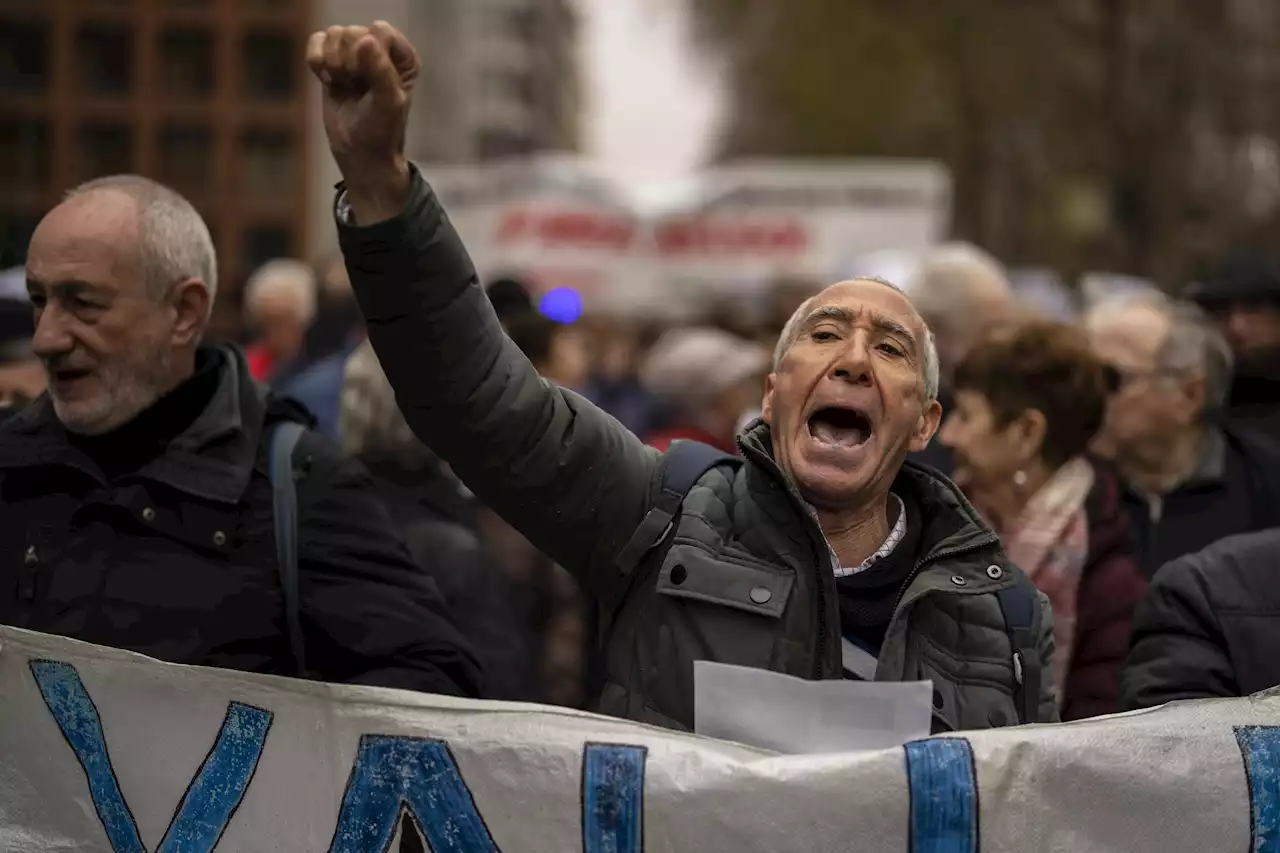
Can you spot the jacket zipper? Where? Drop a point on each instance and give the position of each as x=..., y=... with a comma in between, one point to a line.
x=816, y=540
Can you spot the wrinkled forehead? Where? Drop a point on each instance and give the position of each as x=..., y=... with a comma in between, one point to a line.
x=869, y=298
x=91, y=237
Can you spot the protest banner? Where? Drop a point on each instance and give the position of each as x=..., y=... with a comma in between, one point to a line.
x=108, y=751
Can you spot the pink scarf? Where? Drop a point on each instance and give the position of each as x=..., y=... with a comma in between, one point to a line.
x=1050, y=543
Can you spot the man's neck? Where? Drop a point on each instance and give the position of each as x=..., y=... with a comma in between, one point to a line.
x=1163, y=466
x=855, y=536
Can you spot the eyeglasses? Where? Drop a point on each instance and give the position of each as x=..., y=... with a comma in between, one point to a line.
x=1119, y=378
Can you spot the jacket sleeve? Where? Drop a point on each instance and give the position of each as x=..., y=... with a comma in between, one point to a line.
x=1110, y=590
x=369, y=614
x=1179, y=650
x=568, y=476
x=1048, y=694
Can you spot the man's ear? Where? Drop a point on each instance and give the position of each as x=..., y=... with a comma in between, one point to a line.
x=1192, y=391
x=190, y=304
x=766, y=405
x=930, y=418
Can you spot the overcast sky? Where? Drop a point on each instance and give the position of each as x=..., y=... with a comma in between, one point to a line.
x=651, y=108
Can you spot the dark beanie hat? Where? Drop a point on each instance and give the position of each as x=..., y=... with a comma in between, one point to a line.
x=1240, y=275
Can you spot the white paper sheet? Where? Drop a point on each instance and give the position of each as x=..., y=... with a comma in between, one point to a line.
x=799, y=717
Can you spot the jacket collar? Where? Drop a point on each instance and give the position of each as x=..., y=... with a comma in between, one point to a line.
x=949, y=522
x=213, y=459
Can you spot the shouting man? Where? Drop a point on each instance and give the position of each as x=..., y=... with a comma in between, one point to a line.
x=821, y=555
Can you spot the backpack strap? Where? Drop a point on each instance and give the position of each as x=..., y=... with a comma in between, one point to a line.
x=683, y=465
x=1018, y=605
x=283, y=441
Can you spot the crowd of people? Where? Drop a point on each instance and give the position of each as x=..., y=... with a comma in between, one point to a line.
x=881, y=481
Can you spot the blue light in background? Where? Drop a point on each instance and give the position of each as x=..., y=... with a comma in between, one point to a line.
x=563, y=305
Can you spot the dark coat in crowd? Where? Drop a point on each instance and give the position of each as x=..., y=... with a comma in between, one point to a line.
x=749, y=578
x=1111, y=586
x=1234, y=489
x=1209, y=626
x=439, y=526
x=159, y=538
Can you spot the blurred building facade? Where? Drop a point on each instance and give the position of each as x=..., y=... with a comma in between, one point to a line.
x=500, y=79
x=213, y=98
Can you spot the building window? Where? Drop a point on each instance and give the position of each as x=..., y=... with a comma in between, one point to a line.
x=270, y=62
x=25, y=147
x=265, y=243
x=186, y=62
x=186, y=157
x=16, y=229
x=24, y=57
x=103, y=149
x=269, y=164
x=104, y=59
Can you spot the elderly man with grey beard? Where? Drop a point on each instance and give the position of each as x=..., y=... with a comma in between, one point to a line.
x=1190, y=477
x=819, y=554
x=137, y=507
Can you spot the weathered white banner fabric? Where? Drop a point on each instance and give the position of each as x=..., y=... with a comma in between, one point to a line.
x=101, y=750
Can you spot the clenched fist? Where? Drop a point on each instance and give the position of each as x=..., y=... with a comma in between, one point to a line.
x=367, y=74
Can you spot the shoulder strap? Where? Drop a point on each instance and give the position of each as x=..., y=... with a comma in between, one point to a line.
x=1018, y=605
x=284, y=439
x=683, y=465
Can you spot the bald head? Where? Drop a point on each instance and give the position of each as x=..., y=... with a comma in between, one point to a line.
x=171, y=240
x=815, y=303
x=962, y=293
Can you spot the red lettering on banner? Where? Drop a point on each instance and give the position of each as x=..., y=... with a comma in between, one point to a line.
x=567, y=229
x=701, y=236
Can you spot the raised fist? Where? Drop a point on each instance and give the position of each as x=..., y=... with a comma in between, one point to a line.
x=367, y=73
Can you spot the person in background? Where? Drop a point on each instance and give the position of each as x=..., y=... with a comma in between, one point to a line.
x=21, y=374
x=1028, y=400
x=1243, y=297
x=279, y=306
x=338, y=327
x=1208, y=627
x=962, y=293
x=706, y=381
x=136, y=510
x=1189, y=479
x=617, y=345
x=437, y=519
x=819, y=555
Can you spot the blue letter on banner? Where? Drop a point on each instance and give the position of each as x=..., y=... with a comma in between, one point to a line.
x=944, y=796
x=391, y=773
x=213, y=795
x=613, y=799
x=1260, y=746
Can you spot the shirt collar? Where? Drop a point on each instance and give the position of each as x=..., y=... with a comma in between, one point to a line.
x=896, y=533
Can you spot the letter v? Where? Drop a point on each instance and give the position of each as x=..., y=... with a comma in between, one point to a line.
x=213, y=795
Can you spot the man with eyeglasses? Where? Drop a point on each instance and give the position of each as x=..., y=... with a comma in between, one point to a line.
x=1190, y=479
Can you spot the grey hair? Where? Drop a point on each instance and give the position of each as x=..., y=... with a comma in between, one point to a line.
x=174, y=243
x=791, y=331
x=1193, y=344
x=292, y=278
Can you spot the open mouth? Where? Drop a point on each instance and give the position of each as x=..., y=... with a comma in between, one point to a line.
x=65, y=376
x=840, y=427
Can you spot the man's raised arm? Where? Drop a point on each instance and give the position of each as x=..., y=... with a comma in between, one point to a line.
x=564, y=473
